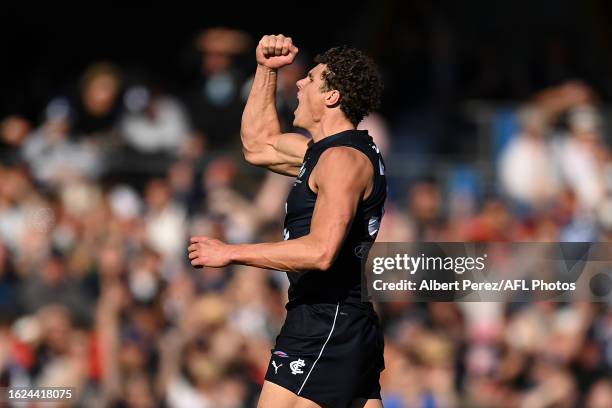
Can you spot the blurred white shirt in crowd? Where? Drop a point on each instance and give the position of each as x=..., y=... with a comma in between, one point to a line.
x=581, y=171
x=183, y=394
x=527, y=170
x=165, y=230
x=51, y=158
x=165, y=130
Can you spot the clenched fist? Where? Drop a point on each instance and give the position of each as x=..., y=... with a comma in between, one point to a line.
x=275, y=51
x=211, y=252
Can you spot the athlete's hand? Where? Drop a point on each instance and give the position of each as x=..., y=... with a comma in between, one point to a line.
x=204, y=251
x=275, y=51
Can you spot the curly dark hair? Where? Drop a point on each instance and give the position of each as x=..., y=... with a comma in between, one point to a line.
x=356, y=77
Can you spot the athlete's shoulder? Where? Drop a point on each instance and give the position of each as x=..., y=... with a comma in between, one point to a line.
x=345, y=166
x=344, y=157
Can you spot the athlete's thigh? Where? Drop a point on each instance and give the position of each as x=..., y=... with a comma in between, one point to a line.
x=275, y=396
x=370, y=403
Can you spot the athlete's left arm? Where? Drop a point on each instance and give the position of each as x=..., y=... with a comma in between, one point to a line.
x=343, y=177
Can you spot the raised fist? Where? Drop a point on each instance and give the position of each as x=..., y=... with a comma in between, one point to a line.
x=275, y=51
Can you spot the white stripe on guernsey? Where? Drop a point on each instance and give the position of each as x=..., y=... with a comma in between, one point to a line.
x=322, y=348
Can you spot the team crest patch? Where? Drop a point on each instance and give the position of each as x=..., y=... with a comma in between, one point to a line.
x=296, y=366
x=280, y=354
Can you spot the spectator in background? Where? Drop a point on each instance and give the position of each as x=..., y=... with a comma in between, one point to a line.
x=527, y=169
x=215, y=105
x=13, y=132
x=153, y=122
x=9, y=286
x=181, y=177
x=19, y=201
x=494, y=223
x=96, y=112
x=77, y=133
x=224, y=203
x=64, y=347
x=53, y=284
x=53, y=155
x=165, y=222
x=581, y=157
x=425, y=208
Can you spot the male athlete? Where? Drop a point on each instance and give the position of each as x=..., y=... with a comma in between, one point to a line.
x=330, y=350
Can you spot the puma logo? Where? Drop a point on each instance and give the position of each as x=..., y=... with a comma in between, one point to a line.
x=276, y=367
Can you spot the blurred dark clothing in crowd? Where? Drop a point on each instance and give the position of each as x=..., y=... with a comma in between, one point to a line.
x=215, y=99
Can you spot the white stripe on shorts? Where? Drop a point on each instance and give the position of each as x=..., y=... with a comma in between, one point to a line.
x=322, y=348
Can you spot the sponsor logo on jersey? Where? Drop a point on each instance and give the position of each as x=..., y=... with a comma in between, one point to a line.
x=281, y=354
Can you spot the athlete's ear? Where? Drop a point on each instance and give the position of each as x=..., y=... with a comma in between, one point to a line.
x=332, y=98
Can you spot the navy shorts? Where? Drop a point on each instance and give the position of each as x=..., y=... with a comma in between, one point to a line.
x=331, y=354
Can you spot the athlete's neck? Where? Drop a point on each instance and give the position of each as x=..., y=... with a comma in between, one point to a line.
x=328, y=127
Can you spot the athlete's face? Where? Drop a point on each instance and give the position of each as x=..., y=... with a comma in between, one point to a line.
x=311, y=98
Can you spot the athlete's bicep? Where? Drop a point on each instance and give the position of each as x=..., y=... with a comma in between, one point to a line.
x=341, y=178
x=282, y=153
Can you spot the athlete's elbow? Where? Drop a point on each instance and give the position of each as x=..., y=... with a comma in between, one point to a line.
x=254, y=152
x=324, y=259
x=252, y=156
x=249, y=156
x=324, y=265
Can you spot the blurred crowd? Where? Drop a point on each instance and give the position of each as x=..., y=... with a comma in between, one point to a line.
x=99, y=198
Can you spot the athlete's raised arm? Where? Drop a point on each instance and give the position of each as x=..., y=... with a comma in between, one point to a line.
x=262, y=141
x=342, y=178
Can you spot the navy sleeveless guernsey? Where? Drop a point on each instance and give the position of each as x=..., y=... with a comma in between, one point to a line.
x=341, y=283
